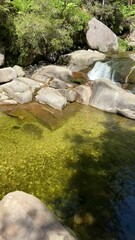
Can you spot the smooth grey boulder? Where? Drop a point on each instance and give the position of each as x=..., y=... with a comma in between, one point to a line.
x=32, y=84
x=52, y=97
x=81, y=59
x=69, y=94
x=7, y=74
x=107, y=96
x=43, y=73
x=58, y=84
x=25, y=217
x=19, y=91
x=83, y=94
x=100, y=37
x=19, y=71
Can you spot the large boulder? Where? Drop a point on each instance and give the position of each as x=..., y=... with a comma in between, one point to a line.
x=52, y=71
x=18, y=90
x=7, y=74
x=107, y=96
x=24, y=217
x=100, y=37
x=32, y=84
x=81, y=59
x=52, y=97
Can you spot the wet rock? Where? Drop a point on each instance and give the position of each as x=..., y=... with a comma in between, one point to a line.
x=107, y=96
x=7, y=74
x=100, y=37
x=83, y=94
x=24, y=217
x=52, y=97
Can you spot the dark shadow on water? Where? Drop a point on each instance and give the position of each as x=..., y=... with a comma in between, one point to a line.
x=100, y=199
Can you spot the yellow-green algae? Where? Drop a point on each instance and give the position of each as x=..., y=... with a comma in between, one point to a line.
x=71, y=169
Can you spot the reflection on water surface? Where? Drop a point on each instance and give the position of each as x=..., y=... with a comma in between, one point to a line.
x=84, y=171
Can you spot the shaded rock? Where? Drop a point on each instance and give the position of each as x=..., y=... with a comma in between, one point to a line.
x=19, y=91
x=46, y=72
x=19, y=71
x=32, y=84
x=24, y=217
x=83, y=94
x=7, y=74
x=81, y=59
x=100, y=37
x=56, y=83
x=107, y=96
x=52, y=97
x=70, y=95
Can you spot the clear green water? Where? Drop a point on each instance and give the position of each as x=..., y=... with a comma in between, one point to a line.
x=84, y=171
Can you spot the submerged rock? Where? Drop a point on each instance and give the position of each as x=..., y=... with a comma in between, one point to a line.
x=107, y=96
x=25, y=217
x=100, y=37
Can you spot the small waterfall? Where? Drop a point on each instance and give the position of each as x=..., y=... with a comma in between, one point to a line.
x=101, y=69
x=116, y=70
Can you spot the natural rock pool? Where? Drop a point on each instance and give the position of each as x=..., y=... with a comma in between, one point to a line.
x=84, y=171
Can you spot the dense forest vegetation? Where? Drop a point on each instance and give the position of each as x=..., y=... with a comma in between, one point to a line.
x=32, y=30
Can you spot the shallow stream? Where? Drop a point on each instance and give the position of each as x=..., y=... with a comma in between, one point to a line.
x=84, y=171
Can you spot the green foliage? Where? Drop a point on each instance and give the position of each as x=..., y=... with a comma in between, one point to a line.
x=123, y=45
x=128, y=11
x=49, y=27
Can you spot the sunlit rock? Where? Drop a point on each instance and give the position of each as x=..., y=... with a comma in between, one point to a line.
x=7, y=74
x=25, y=217
x=19, y=71
x=82, y=59
x=43, y=73
x=107, y=96
x=100, y=37
x=83, y=94
x=52, y=97
x=18, y=90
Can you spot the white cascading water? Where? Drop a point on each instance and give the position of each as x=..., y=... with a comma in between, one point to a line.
x=101, y=69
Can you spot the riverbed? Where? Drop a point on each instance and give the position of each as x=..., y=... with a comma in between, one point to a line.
x=83, y=170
